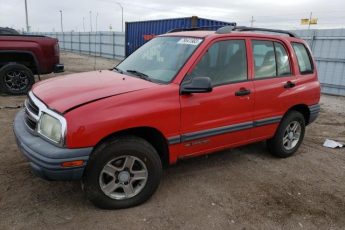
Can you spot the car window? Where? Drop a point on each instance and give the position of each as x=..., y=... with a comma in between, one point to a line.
x=270, y=59
x=303, y=58
x=283, y=63
x=264, y=59
x=223, y=63
x=161, y=58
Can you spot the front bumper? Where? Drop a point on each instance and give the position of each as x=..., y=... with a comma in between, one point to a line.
x=45, y=158
x=59, y=68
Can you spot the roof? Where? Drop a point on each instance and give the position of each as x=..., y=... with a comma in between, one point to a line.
x=209, y=33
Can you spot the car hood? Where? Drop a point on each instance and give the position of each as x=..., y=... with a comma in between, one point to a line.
x=70, y=91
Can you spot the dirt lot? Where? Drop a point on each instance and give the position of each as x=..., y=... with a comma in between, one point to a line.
x=243, y=188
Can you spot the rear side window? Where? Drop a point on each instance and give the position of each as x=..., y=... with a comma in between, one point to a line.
x=283, y=64
x=303, y=57
x=270, y=59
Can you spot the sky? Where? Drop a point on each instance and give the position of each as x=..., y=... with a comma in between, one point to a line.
x=44, y=15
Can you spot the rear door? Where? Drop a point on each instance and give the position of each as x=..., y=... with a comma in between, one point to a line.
x=307, y=85
x=274, y=82
x=223, y=117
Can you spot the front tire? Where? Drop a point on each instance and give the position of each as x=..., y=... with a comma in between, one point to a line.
x=288, y=136
x=122, y=173
x=16, y=79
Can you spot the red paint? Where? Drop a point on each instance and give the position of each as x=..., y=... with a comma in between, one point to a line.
x=120, y=102
x=43, y=49
x=148, y=37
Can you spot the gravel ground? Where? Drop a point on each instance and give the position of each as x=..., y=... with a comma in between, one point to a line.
x=243, y=188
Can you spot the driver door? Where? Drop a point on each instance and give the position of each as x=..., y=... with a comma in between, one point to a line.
x=221, y=118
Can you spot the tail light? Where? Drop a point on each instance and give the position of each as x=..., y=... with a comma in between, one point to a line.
x=57, y=49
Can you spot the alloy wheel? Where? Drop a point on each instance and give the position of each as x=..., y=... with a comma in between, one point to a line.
x=16, y=80
x=123, y=177
x=292, y=135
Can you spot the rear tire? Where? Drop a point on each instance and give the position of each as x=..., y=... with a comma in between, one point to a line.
x=122, y=173
x=16, y=79
x=288, y=136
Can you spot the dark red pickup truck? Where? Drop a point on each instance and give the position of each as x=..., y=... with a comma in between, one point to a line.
x=22, y=56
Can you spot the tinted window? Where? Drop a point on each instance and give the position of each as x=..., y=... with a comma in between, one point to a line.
x=303, y=58
x=270, y=59
x=283, y=64
x=224, y=62
x=264, y=59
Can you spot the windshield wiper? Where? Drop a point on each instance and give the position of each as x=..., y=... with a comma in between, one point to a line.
x=118, y=70
x=139, y=74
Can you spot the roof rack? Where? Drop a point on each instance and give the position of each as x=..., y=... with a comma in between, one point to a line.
x=229, y=29
x=213, y=27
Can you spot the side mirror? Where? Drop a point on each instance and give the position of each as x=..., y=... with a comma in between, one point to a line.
x=197, y=85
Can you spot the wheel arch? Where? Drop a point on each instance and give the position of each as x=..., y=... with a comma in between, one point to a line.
x=151, y=135
x=303, y=109
x=20, y=57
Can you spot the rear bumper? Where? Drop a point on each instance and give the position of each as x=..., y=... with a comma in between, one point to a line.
x=314, y=112
x=58, y=68
x=45, y=158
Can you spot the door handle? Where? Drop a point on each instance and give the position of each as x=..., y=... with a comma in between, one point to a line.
x=289, y=84
x=242, y=92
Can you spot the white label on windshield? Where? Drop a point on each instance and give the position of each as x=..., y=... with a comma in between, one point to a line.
x=190, y=41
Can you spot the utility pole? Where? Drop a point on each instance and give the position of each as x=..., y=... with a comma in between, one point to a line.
x=121, y=15
x=96, y=21
x=252, y=21
x=26, y=17
x=61, y=21
x=84, y=24
x=311, y=15
x=90, y=20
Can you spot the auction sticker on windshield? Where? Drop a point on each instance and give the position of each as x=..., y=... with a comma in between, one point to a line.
x=189, y=41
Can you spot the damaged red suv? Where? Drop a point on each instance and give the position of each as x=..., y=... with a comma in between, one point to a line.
x=182, y=94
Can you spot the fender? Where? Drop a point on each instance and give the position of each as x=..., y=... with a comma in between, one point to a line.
x=37, y=64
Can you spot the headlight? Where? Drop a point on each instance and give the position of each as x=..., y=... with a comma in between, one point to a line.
x=51, y=128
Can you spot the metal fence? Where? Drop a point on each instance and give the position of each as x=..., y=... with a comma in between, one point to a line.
x=103, y=44
x=328, y=47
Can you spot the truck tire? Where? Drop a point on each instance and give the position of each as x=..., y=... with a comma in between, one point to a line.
x=288, y=136
x=122, y=173
x=16, y=79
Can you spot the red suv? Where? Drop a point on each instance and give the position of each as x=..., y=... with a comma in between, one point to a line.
x=183, y=94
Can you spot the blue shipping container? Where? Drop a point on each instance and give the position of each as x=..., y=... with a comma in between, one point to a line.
x=137, y=33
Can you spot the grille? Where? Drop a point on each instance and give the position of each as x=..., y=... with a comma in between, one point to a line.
x=30, y=107
x=30, y=123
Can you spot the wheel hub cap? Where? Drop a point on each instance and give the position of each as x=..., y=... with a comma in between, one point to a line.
x=292, y=135
x=124, y=176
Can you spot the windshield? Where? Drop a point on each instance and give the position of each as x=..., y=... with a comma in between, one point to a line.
x=160, y=59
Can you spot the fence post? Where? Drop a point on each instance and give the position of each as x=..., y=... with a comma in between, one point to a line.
x=63, y=40
x=79, y=42
x=312, y=40
x=100, y=44
x=89, y=43
x=114, y=45
x=72, y=41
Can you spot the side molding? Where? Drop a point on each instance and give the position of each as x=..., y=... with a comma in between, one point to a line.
x=222, y=130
